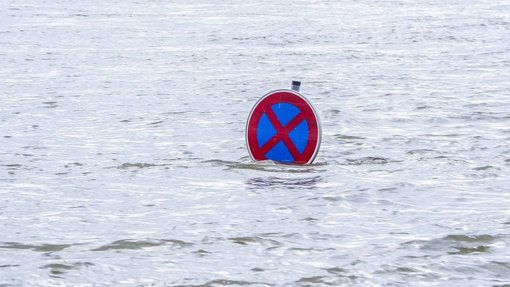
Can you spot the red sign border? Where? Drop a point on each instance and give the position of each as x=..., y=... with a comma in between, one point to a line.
x=312, y=108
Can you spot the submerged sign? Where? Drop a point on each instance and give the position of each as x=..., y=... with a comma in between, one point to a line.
x=283, y=126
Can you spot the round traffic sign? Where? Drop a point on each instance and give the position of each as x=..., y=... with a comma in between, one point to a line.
x=283, y=126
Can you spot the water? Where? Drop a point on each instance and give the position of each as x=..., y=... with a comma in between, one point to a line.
x=123, y=160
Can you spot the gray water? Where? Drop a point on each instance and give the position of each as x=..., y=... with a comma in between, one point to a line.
x=123, y=161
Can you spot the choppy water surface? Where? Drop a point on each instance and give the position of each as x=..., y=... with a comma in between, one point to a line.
x=123, y=161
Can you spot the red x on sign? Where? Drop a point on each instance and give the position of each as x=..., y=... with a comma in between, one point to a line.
x=282, y=133
x=283, y=126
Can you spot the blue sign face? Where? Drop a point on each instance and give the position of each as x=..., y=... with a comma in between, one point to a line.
x=283, y=127
x=266, y=130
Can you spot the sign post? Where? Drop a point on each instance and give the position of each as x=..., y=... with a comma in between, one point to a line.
x=283, y=126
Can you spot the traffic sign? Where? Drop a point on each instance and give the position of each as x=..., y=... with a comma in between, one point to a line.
x=283, y=126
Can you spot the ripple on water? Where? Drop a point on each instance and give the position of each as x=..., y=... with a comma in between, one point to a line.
x=457, y=244
x=130, y=244
x=46, y=248
x=369, y=160
x=338, y=279
x=226, y=282
x=57, y=270
x=287, y=182
x=269, y=166
x=349, y=139
x=485, y=167
x=246, y=240
x=50, y=105
x=139, y=165
x=421, y=151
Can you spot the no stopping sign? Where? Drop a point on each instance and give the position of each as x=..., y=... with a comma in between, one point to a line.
x=283, y=126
